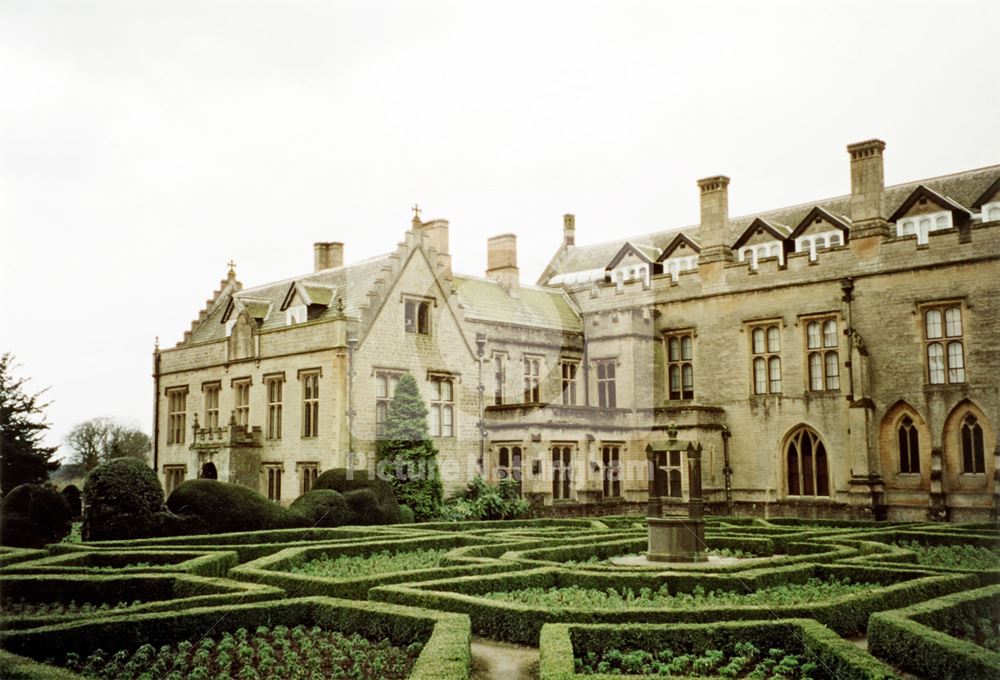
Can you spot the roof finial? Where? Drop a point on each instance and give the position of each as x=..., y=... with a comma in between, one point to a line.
x=232, y=268
x=157, y=344
x=340, y=305
x=416, y=214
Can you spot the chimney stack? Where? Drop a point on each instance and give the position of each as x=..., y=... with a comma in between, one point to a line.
x=569, y=229
x=501, y=260
x=436, y=232
x=327, y=255
x=713, y=232
x=867, y=184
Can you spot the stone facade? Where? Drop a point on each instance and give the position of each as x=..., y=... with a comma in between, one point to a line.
x=833, y=359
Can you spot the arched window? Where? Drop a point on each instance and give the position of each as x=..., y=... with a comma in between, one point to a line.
x=973, y=454
x=835, y=240
x=909, y=446
x=806, y=464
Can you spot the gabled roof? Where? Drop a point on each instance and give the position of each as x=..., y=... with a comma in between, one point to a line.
x=310, y=294
x=489, y=301
x=646, y=253
x=778, y=231
x=351, y=283
x=681, y=238
x=257, y=308
x=984, y=198
x=816, y=213
x=922, y=191
x=963, y=187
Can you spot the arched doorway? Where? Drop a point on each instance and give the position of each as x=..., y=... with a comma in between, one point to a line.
x=806, y=468
x=208, y=471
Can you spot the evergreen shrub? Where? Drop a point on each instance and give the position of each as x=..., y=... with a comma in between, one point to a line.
x=33, y=516
x=228, y=507
x=323, y=508
x=123, y=490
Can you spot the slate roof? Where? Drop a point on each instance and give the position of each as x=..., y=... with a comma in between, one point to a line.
x=486, y=300
x=964, y=188
x=350, y=282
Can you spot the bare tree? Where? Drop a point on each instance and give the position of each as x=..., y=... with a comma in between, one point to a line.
x=98, y=440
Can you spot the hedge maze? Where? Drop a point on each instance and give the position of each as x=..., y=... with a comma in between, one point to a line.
x=778, y=598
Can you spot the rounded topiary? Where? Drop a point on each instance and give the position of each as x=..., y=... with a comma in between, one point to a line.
x=323, y=508
x=386, y=508
x=364, y=507
x=228, y=507
x=123, y=486
x=406, y=515
x=72, y=495
x=153, y=525
x=33, y=516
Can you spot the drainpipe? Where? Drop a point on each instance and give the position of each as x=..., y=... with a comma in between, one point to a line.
x=727, y=470
x=352, y=345
x=847, y=286
x=156, y=406
x=480, y=352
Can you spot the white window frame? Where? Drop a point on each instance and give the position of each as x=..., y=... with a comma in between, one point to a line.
x=922, y=225
x=176, y=414
x=944, y=343
x=767, y=355
x=295, y=315
x=442, y=411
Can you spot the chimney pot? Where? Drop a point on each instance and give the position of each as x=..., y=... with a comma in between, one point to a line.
x=867, y=180
x=713, y=231
x=327, y=254
x=569, y=229
x=501, y=260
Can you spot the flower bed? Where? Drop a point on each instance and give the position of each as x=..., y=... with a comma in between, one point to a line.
x=745, y=661
x=962, y=556
x=383, y=562
x=273, y=653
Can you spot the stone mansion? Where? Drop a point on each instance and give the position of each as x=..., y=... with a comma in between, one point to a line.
x=836, y=358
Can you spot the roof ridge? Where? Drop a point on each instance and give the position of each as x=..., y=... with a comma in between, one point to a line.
x=302, y=277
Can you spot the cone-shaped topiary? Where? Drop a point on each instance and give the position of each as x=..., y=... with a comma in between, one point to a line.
x=408, y=454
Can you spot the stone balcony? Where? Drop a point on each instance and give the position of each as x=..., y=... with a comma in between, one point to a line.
x=232, y=436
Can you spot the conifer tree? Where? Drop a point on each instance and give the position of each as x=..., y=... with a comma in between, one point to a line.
x=23, y=458
x=407, y=453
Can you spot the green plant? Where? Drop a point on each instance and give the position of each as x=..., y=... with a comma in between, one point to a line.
x=323, y=508
x=227, y=507
x=352, y=566
x=961, y=556
x=121, y=488
x=32, y=516
x=483, y=501
x=369, y=500
x=23, y=458
x=407, y=453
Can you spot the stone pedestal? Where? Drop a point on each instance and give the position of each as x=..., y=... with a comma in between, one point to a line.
x=676, y=539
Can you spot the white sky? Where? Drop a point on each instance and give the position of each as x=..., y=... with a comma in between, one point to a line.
x=144, y=144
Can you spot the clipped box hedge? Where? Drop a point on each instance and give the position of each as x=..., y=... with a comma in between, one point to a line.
x=200, y=563
x=516, y=622
x=913, y=639
x=560, y=643
x=446, y=637
x=156, y=592
x=275, y=569
x=10, y=555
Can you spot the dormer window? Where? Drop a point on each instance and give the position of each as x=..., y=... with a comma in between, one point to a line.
x=922, y=225
x=417, y=317
x=294, y=315
x=675, y=265
x=991, y=212
x=229, y=327
x=754, y=254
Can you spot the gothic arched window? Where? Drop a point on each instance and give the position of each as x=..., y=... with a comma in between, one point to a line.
x=909, y=446
x=806, y=464
x=973, y=455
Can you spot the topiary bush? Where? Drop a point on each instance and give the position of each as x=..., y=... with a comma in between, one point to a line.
x=228, y=507
x=72, y=495
x=323, y=508
x=115, y=491
x=406, y=515
x=384, y=509
x=33, y=516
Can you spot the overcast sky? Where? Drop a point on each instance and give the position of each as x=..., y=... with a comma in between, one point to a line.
x=144, y=144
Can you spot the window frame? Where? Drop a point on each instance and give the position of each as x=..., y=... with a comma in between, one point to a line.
x=679, y=365
x=210, y=397
x=561, y=457
x=307, y=473
x=241, y=409
x=170, y=477
x=611, y=469
x=607, y=389
x=176, y=414
x=908, y=432
x=309, y=378
x=442, y=411
x=273, y=474
x=499, y=378
x=767, y=358
x=417, y=315
x=275, y=408
x=816, y=445
x=569, y=372
x=389, y=378
x=532, y=378
x=947, y=363
x=825, y=349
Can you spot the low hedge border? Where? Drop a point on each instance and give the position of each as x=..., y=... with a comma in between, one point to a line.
x=446, y=637
x=273, y=568
x=909, y=639
x=157, y=592
x=502, y=524
x=797, y=553
x=515, y=622
x=14, y=667
x=214, y=563
x=10, y=556
x=252, y=537
x=560, y=643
